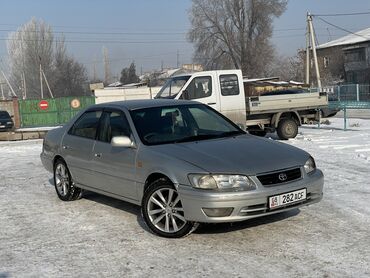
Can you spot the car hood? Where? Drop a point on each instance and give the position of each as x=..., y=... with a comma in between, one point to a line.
x=244, y=154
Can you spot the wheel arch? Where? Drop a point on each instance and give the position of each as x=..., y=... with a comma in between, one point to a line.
x=153, y=177
x=282, y=115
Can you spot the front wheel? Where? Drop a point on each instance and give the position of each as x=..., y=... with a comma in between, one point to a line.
x=163, y=212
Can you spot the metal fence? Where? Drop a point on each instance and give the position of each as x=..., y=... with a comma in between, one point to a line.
x=51, y=112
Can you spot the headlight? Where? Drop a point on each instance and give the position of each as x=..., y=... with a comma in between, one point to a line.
x=310, y=165
x=222, y=182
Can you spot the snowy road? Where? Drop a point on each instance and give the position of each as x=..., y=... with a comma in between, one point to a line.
x=97, y=236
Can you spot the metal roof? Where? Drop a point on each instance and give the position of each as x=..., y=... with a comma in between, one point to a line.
x=358, y=37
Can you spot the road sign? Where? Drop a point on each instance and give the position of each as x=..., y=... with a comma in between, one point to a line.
x=75, y=103
x=43, y=105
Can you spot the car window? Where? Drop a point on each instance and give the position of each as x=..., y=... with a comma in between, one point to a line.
x=113, y=124
x=180, y=123
x=87, y=125
x=229, y=85
x=199, y=87
x=4, y=115
x=208, y=120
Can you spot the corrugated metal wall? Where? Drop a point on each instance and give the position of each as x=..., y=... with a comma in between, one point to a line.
x=59, y=111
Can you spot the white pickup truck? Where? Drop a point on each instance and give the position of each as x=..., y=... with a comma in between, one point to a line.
x=224, y=91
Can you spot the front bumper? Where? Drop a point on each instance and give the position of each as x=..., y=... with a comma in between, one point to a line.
x=247, y=204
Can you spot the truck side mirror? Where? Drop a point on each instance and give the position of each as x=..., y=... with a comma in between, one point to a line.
x=185, y=95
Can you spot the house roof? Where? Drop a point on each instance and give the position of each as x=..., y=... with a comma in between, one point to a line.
x=358, y=37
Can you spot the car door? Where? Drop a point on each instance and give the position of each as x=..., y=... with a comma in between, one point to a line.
x=78, y=144
x=203, y=90
x=114, y=167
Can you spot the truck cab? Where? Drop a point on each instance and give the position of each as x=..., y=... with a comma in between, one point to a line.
x=222, y=90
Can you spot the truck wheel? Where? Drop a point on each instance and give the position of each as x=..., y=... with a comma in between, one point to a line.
x=287, y=128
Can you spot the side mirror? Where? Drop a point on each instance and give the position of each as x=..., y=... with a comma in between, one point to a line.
x=122, y=141
x=185, y=95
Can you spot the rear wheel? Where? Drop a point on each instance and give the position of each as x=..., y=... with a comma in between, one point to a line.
x=163, y=212
x=64, y=186
x=287, y=128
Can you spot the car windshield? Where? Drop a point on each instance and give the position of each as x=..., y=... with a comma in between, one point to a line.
x=4, y=115
x=181, y=123
x=172, y=87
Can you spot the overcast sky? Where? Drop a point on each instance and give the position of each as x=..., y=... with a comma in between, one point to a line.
x=153, y=32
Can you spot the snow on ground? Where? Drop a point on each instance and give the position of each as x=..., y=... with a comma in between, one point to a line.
x=97, y=236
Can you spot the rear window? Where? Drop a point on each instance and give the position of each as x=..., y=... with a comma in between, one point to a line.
x=4, y=115
x=229, y=85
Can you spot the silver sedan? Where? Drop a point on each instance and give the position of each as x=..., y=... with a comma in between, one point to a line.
x=182, y=161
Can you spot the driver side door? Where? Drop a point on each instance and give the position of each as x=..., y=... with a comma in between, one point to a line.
x=114, y=166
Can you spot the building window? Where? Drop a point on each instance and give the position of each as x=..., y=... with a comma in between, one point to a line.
x=357, y=55
x=326, y=62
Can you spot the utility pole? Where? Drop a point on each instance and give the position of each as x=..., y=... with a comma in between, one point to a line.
x=7, y=82
x=47, y=84
x=177, y=59
x=41, y=88
x=313, y=43
x=2, y=90
x=308, y=49
x=106, y=65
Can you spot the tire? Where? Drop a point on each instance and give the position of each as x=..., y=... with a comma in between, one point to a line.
x=163, y=212
x=287, y=128
x=64, y=186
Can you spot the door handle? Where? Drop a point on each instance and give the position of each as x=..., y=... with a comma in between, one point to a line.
x=211, y=103
x=97, y=155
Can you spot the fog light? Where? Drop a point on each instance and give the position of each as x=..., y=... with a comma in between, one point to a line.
x=218, y=212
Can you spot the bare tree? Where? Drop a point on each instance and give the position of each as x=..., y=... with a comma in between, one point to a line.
x=33, y=45
x=288, y=68
x=234, y=33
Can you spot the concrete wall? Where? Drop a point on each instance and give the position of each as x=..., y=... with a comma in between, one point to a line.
x=119, y=94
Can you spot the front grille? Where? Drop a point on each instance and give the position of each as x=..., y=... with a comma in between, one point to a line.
x=280, y=177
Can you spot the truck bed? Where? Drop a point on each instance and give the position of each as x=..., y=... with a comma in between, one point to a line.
x=276, y=103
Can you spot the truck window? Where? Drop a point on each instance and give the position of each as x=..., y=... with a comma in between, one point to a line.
x=199, y=87
x=229, y=85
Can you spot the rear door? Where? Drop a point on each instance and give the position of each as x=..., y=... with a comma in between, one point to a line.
x=78, y=144
x=114, y=167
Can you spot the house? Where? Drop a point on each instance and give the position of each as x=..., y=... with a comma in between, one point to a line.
x=346, y=59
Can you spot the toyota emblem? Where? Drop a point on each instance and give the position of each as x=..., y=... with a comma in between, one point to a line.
x=283, y=177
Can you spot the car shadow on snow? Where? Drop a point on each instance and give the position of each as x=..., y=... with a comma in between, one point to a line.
x=117, y=204
x=247, y=224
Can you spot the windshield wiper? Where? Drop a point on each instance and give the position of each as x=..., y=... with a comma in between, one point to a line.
x=196, y=138
x=231, y=133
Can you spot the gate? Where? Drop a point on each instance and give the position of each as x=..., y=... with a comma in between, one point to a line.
x=53, y=111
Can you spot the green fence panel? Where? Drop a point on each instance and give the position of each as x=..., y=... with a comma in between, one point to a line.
x=59, y=110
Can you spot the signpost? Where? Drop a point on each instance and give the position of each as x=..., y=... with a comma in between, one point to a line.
x=43, y=105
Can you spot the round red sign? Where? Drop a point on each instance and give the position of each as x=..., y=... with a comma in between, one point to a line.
x=43, y=105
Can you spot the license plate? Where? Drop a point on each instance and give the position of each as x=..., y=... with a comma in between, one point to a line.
x=287, y=198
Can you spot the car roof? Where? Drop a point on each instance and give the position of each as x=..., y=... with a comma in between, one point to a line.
x=143, y=103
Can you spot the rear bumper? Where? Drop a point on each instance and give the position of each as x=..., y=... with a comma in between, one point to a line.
x=247, y=205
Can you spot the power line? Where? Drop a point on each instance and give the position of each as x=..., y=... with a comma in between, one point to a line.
x=100, y=41
x=345, y=14
x=99, y=33
x=341, y=28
